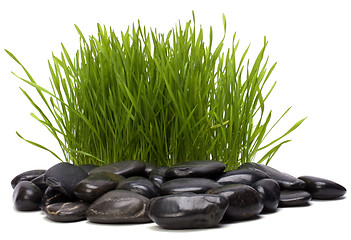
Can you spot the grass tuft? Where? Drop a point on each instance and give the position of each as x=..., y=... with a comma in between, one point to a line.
x=160, y=98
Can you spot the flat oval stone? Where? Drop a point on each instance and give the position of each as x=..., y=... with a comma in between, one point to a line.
x=270, y=192
x=187, y=210
x=244, y=201
x=199, y=168
x=64, y=177
x=285, y=180
x=119, y=206
x=26, y=176
x=242, y=176
x=294, y=198
x=194, y=185
x=139, y=185
x=51, y=196
x=95, y=185
x=157, y=176
x=323, y=189
x=26, y=196
x=125, y=168
x=66, y=211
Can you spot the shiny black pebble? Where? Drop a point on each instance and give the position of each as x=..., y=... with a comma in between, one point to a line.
x=244, y=201
x=119, y=206
x=187, y=210
x=199, y=168
x=194, y=185
x=95, y=185
x=26, y=176
x=27, y=196
x=157, y=176
x=125, y=168
x=242, y=176
x=294, y=198
x=51, y=196
x=139, y=185
x=64, y=177
x=270, y=192
x=323, y=189
x=285, y=180
x=66, y=211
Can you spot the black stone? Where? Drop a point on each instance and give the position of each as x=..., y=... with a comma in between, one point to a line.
x=119, y=206
x=244, y=201
x=187, y=210
x=200, y=168
x=139, y=185
x=149, y=167
x=285, y=180
x=88, y=167
x=157, y=176
x=323, y=189
x=27, y=196
x=66, y=211
x=242, y=176
x=64, y=177
x=270, y=192
x=51, y=196
x=95, y=185
x=40, y=182
x=194, y=185
x=26, y=176
x=294, y=198
x=125, y=168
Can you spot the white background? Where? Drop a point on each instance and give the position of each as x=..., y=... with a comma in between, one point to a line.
x=310, y=40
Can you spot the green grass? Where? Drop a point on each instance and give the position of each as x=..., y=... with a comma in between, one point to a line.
x=160, y=98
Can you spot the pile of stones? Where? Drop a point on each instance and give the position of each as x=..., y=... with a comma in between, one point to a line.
x=194, y=194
